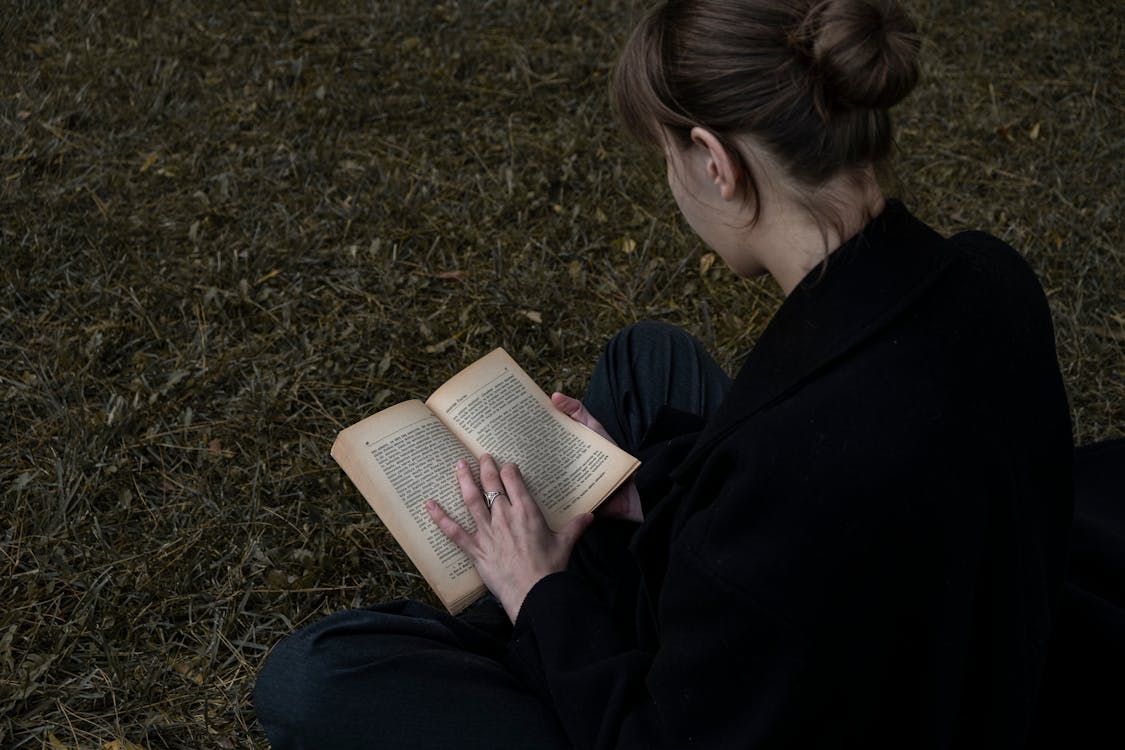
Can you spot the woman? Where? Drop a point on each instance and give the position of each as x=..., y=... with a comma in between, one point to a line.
x=857, y=542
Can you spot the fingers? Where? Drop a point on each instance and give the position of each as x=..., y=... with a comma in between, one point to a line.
x=567, y=405
x=491, y=481
x=574, y=409
x=514, y=501
x=577, y=411
x=514, y=547
x=515, y=488
x=448, y=526
x=471, y=493
x=490, y=473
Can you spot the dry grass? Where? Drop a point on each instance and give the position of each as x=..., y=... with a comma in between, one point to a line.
x=229, y=232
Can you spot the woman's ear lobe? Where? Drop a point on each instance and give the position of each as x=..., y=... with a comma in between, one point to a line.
x=722, y=167
x=727, y=181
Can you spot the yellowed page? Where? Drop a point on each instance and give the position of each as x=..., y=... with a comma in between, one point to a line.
x=493, y=406
x=398, y=459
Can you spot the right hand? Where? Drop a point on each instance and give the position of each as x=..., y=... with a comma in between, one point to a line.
x=513, y=547
x=626, y=502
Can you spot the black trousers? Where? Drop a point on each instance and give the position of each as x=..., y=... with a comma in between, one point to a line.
x=405, y=675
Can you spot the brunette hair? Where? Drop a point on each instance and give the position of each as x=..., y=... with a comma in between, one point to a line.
x=810, y=80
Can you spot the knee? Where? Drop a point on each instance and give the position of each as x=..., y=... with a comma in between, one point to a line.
x=643, y=337
x=316, y=687
x=648, y=330
x=651, y=342
x=303, y=685
x=287, y=693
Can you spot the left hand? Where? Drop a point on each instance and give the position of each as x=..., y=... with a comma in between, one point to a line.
x=513, y=547
x=625, y=503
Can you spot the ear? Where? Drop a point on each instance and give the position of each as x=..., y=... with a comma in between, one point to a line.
x=722, y=167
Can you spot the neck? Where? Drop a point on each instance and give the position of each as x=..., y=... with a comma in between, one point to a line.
x=794, y=240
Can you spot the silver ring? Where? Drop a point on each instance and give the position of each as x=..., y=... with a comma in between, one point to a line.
x=490, y=497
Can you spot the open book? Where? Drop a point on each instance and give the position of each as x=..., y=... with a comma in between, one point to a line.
x=404, y=455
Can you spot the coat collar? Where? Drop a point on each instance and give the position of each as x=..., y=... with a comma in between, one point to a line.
x=868, y=281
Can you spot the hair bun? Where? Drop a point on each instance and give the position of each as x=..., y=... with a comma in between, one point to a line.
x=866, y=52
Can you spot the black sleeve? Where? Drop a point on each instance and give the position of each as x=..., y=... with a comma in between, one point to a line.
x=721, y=678
x=727, y=673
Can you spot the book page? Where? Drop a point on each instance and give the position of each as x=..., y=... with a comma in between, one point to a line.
x=494, y=407
x=398, y=459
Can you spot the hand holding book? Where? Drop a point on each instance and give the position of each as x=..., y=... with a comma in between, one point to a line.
x=625, y=503
x=513, y=547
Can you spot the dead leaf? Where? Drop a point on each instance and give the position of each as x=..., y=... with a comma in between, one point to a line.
x=55, y=742
x=1034, y=134
x=625, y=244
x=215, y=447
x=452, y=275
x=148, y=162
x=441, y=346
x=188, y=671
x=705, y=262
x=533, y=315
x=268, y=276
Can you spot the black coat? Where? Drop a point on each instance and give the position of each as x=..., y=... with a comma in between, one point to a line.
x=865, y=546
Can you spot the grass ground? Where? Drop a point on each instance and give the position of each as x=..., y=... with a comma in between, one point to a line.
x=228, y=230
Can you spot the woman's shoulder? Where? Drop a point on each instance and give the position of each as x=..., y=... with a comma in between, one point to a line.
x=980, y=271
x=1000, y=274
x=989, y=250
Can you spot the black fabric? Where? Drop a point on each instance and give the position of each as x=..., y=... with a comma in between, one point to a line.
x=1097, y=549
x=864, y=547
x=651, y=377
x=653, y=389
x=1085, y=685
x=400, y=675
x=648, y=372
